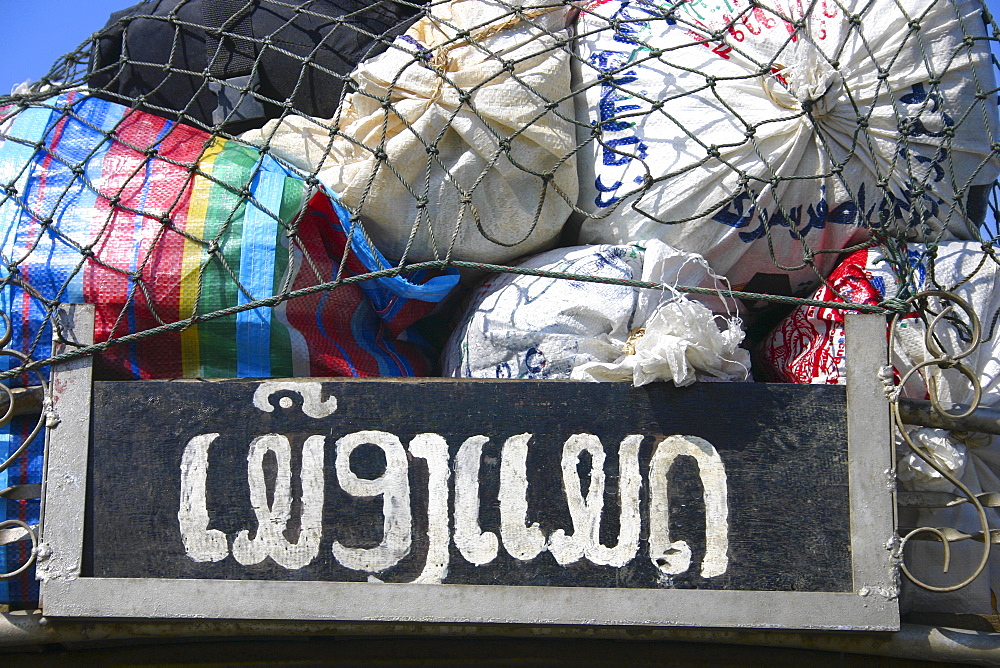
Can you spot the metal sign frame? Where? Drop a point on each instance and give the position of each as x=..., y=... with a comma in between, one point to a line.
x=872, y=605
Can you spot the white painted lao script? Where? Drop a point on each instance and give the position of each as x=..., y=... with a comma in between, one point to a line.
x=519, y=539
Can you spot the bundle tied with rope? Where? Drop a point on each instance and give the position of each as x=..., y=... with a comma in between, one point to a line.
x=760, y=142
x=459, y=141
x=769, y=137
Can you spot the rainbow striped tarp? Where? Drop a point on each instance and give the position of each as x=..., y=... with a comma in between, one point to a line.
x=154, y=222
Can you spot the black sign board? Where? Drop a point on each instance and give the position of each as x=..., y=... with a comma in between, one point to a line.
x=734, y=486
x=543, y=501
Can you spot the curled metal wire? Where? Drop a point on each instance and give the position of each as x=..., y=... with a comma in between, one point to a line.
x=9, y=415
x=8, y=524
x=942, y=359
x=5, y=339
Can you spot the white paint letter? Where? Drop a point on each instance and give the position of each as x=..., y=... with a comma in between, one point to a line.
x=434, y=449
x=629, y=523
x=586, y=512
x=313, y=404
x=272, y=520
x=674, y=558
x=200, y=542
x=477, y=547
x=521, y=542
x=394, y=488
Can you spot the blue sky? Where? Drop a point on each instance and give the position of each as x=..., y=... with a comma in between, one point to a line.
x=37, y=32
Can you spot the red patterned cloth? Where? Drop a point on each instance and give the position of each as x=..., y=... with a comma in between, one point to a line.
x=808, y=345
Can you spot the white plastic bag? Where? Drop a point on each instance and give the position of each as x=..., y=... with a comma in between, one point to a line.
x=702, y=133
x=681, y=342
x=523, y=326
x=471, y=154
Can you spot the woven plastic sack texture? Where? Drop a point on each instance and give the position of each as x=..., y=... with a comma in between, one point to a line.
x=725, y=131
x=524, y=326
x=808, y=347
x=154, y=222
x=475, y=152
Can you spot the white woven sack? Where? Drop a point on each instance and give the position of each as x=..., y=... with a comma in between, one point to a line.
x=523, y=326
x=471, y=150
x=684, y=83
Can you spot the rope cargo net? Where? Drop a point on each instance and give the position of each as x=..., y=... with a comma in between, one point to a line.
x=267, y=188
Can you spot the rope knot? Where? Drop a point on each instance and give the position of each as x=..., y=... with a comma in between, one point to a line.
x=887, y=376
x=895, y=305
